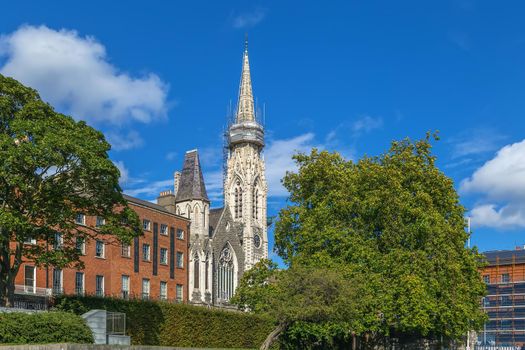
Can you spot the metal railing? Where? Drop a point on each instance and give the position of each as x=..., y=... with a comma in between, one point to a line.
x=116, y=323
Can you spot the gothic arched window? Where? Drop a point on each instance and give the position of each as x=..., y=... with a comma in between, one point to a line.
x=226, y=274
x=196, y=216
x=196, y=271
x=255, y=211
x=238, y=200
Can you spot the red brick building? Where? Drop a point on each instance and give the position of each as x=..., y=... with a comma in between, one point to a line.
x=153, y=266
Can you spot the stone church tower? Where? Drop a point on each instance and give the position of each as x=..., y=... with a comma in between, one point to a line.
x=245, y=188
x=226, y=241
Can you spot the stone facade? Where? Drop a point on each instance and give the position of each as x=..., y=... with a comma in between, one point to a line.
x=225, y=241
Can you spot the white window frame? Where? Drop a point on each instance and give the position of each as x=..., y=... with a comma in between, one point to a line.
x=125, y=248
x=146, y=225
x=100, y=221
x=82, y=247
x=59, y=241
x=125, y=287
x=60, y=280
x=163, y=296
x=102, y=289
x=164, y=229
x=103, y=255
x=81, y=222
x=148, y=251
x=83, y=290
x=180, y=233
x=179, y=291
x=146, y=292
x=166, y=256
x=28, y=288
x=179, y=262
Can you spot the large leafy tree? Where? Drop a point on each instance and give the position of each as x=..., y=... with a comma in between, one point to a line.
x=51, y=169
x=396, y=219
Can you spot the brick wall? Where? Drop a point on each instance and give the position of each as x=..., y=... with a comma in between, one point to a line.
x=113, y=265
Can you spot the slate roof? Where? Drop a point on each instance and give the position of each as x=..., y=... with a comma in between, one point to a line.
x=150, y=205
x=215, y=215
x=191, y=184
x=504, y=257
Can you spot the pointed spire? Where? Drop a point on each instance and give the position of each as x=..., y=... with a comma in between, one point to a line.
x=245, y=108
x=191, y=183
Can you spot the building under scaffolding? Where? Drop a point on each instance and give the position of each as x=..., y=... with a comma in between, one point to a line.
x=505, y=300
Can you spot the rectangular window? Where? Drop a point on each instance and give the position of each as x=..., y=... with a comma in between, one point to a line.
x=80, y=244
x=179, y=291
x=506, y=300
x=146, y=252
x=30, y=279
x=79, y=283
x=99, y=286
x=180, y=260
x=100, y=221
x=163, y=290
x=126, y=250
x=57, y=241
x=180, y=234
x=164, y=229
x=486, y=279
x=30, y=241
x=57, y=281
x=80, y=219
x=145, y=288
x=505, y=278
x=164, y=256
x=125, y=286
x=146, y=225
x=99, y=249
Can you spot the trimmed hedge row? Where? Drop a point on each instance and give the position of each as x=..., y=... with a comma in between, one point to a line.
x=42, y=328
x=166, y=324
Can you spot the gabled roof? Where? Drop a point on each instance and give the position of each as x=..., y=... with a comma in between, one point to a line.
x=191, y=184
x=149, y=205
x=215, y=215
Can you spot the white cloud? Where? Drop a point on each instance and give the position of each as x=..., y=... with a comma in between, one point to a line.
x=124, y=172
x=249, y=19
x=278, y=157
x=121, y=142
x=501, y=182
x=151, y=189
x=171, y=155
x=366, y=124
x=73, y=74
x=475, y=142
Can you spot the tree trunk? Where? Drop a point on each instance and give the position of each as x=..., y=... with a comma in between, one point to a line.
x=273, y=336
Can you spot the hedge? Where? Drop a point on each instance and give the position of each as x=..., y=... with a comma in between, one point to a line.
x=167, y=324
x=43, y=327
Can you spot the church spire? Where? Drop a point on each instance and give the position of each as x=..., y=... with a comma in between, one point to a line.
x=245, y=108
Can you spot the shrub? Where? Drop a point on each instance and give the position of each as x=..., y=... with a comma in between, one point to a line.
x=43, y=327
x=166, y=324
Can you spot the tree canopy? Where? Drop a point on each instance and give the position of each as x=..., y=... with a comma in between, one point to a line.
x=52, y=168
x=392, y=224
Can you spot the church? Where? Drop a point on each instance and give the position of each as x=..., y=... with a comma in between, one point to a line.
x=225, y=241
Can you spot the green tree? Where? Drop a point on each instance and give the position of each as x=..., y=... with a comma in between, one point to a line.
x=396, y=219
x=256, y=287
x=52, y=168
x=302, y=296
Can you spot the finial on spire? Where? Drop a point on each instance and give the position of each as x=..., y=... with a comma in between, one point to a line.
x=245, y=106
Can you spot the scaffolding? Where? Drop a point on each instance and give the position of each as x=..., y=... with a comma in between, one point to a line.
x=505, y=299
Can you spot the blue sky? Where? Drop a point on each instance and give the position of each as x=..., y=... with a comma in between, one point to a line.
x=157, y=77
